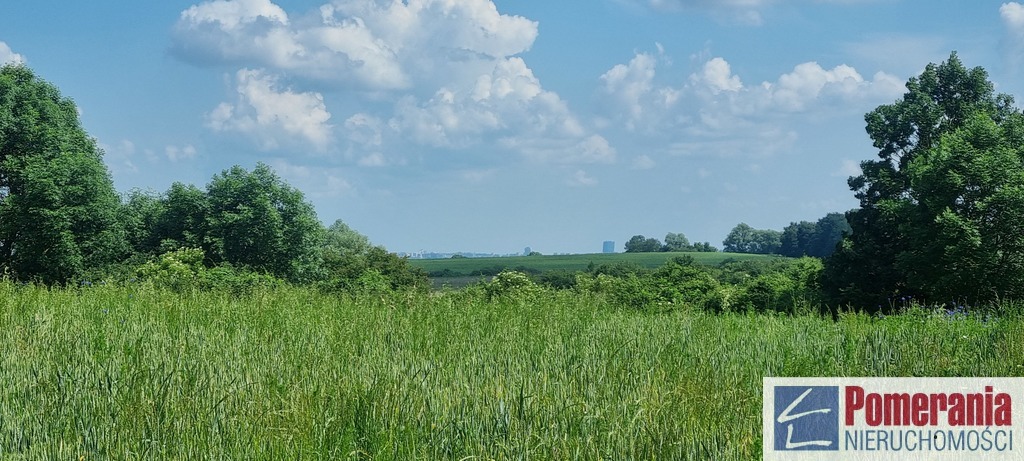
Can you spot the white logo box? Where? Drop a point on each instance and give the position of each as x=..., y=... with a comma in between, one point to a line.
x=893, y=418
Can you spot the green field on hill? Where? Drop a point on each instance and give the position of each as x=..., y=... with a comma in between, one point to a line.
x=462, y=267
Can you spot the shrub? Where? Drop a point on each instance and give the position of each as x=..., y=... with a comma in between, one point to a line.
x=177, y=270
x=599, y=283
x=237, y=281
x=511, y=284
x=559, y=279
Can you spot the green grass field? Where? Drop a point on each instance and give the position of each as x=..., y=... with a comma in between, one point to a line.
x=136, y=373
x=572, y=263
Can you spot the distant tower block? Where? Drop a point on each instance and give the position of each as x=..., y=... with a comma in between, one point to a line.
x=609, y=246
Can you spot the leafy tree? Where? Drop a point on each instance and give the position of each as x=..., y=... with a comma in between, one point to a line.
x=641, y=244
x=58, y=208
x=797, y=237
x=703, y=247
x=944, y=181
x=830, y=230
x=343, y=239
x=139, y=215
x=345, y=270
x=184, y=221
x=745, y=239
x=676, y=242
x=817, y=239
x=257, y=221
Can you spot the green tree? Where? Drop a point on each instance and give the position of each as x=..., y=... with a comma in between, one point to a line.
x=58, y=207
x=905, y=227
x=342, y=239
x=257, y=221
x=641, y=244
x=797, y=237
x=677, y=242
x=830, y=231
x=184, y=220
x=746, y=239
x=817, y=239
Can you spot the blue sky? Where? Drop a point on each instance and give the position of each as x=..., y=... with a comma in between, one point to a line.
x=492, y=125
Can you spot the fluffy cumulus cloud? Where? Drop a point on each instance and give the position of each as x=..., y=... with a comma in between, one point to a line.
x=270, y=113
x=372, y=45
x=1012, y=14
x=8, y=56
x=716, y=112
x=444, y=74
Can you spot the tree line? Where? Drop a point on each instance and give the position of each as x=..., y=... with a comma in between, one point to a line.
x=804, y=238
x=61, y=220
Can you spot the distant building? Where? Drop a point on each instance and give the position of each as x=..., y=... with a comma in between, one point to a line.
x=527, y=251
x=609, y=246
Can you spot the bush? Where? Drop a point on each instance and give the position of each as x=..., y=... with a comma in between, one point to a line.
x=511, y=284
x=559, y=279
x=183, y=269
x=229, y=279
x=599, y=283
x=177, y=270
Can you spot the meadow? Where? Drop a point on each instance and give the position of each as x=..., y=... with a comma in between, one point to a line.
x=135, y=372
x=459, y=272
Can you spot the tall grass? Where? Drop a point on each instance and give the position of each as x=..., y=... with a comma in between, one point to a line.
x=137, y=373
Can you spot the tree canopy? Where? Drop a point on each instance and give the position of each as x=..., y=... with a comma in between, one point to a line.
x=817, y=239
x=58, y=207
x=939, y=208
x=746, y=239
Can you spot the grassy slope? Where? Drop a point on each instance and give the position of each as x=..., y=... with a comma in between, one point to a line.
x=466, y=266
x=111, y=373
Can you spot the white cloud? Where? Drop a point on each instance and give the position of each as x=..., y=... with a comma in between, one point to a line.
x=809, y=82
x=8, y=56
x=1012, y=14
x=631, y=83
x=233, y=14
x=593, y=149
x=270, y=114
x=175, y=153
x=375, y=45
x=581, y=179
x=717, y=76
x=715, y=113
x=434, y=73
x=509, y=104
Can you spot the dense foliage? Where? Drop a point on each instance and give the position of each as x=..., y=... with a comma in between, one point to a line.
x=676, y=242
x=940, y=208
x=816, y=239
x=746, y=239
x=58, y=208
